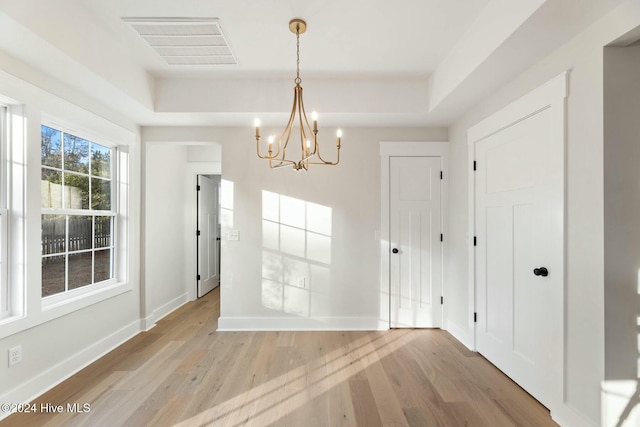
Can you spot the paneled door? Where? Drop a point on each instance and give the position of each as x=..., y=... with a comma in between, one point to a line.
x=519, y=188
x=415, y=229
x=208, y=237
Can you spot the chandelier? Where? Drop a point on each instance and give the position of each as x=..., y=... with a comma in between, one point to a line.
x=309, y=148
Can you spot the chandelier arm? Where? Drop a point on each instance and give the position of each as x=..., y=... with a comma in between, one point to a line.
x=282, y=163
x=308, y=126
x=288, y=129
x=303, y=136
x=258, y=148
x=286, y=132
x=303, y=124
x=324, y=162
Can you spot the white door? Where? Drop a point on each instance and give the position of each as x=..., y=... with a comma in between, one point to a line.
x=415, y=241
x=208, y=238
x=519, y=235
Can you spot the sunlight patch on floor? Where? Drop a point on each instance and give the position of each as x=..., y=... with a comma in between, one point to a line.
x=274, y=399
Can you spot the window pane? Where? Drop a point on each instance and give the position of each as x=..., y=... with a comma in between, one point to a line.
x=102, y=232
x=100, y=194
x=53, y=234
x=76, y=154
x=76, y=191
x=80, y=232
x=76, y=174
x=100, y=160
x=51, y=188
x=103, y=270
x=80, y=267
x=50, y=147
x=53, y=275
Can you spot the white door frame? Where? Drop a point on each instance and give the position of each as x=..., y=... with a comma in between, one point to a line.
x=407, y=149
x=550, y=95
x=191, y=239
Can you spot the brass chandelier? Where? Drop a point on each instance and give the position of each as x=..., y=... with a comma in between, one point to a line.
x=309, y=148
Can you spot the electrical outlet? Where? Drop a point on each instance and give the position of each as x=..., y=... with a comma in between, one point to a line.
x=302, y=282
x=15, y=355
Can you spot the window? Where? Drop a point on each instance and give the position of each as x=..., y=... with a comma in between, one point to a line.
x=4, y=216
x=78, y=212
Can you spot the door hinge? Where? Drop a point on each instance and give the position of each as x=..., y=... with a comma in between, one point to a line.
x=475, y=317
x=440, y=174
x=198, y=277
x=441, y=300
x=197, y=188
x=197, y=232
x=441, y=237
x=475, y=241
x=474, y=165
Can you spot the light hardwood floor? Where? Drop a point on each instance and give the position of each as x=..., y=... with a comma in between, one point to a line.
x=184, y=373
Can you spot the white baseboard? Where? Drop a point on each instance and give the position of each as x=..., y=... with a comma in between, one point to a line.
x=567, y=416
x=464, y=335
x=164, y=310
x=53, y=376
x=301, y=324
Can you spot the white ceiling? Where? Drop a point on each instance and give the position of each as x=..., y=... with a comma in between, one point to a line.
x=363, y=62
x=353, y=36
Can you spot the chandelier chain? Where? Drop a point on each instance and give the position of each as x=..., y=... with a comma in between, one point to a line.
x=298, y=80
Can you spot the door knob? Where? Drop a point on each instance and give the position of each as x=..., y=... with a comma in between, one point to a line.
x=395, y=250
x=542, y=271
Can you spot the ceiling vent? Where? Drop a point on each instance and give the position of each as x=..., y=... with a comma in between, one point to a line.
x=184, y=41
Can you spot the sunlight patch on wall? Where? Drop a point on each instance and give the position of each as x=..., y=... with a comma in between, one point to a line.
x=620, y=400
x=296, y=241
x=226, y=204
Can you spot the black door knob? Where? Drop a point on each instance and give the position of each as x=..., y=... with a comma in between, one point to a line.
x=542, y=271
x=395, y=250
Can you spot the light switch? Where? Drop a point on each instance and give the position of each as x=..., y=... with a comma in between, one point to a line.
x=233, y=235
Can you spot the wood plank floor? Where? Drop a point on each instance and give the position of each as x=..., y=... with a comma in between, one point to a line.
x=184, y=373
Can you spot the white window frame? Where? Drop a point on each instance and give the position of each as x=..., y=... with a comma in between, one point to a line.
x=73, y=294
x=4, y=214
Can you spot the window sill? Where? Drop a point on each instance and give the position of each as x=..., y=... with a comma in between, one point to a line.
x=82, y=297
x=53, y=309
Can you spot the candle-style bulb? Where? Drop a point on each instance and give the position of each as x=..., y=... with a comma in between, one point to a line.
x=256, y=122
x=271, y=139
x=314, y=116
x=339, y=133
x=308, y=144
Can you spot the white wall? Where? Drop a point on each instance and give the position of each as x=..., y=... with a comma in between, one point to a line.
x=58, y=341
x=204, y=153
x=584, y=292
x=621, y=231
x=164, y=228
x=342, y=279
